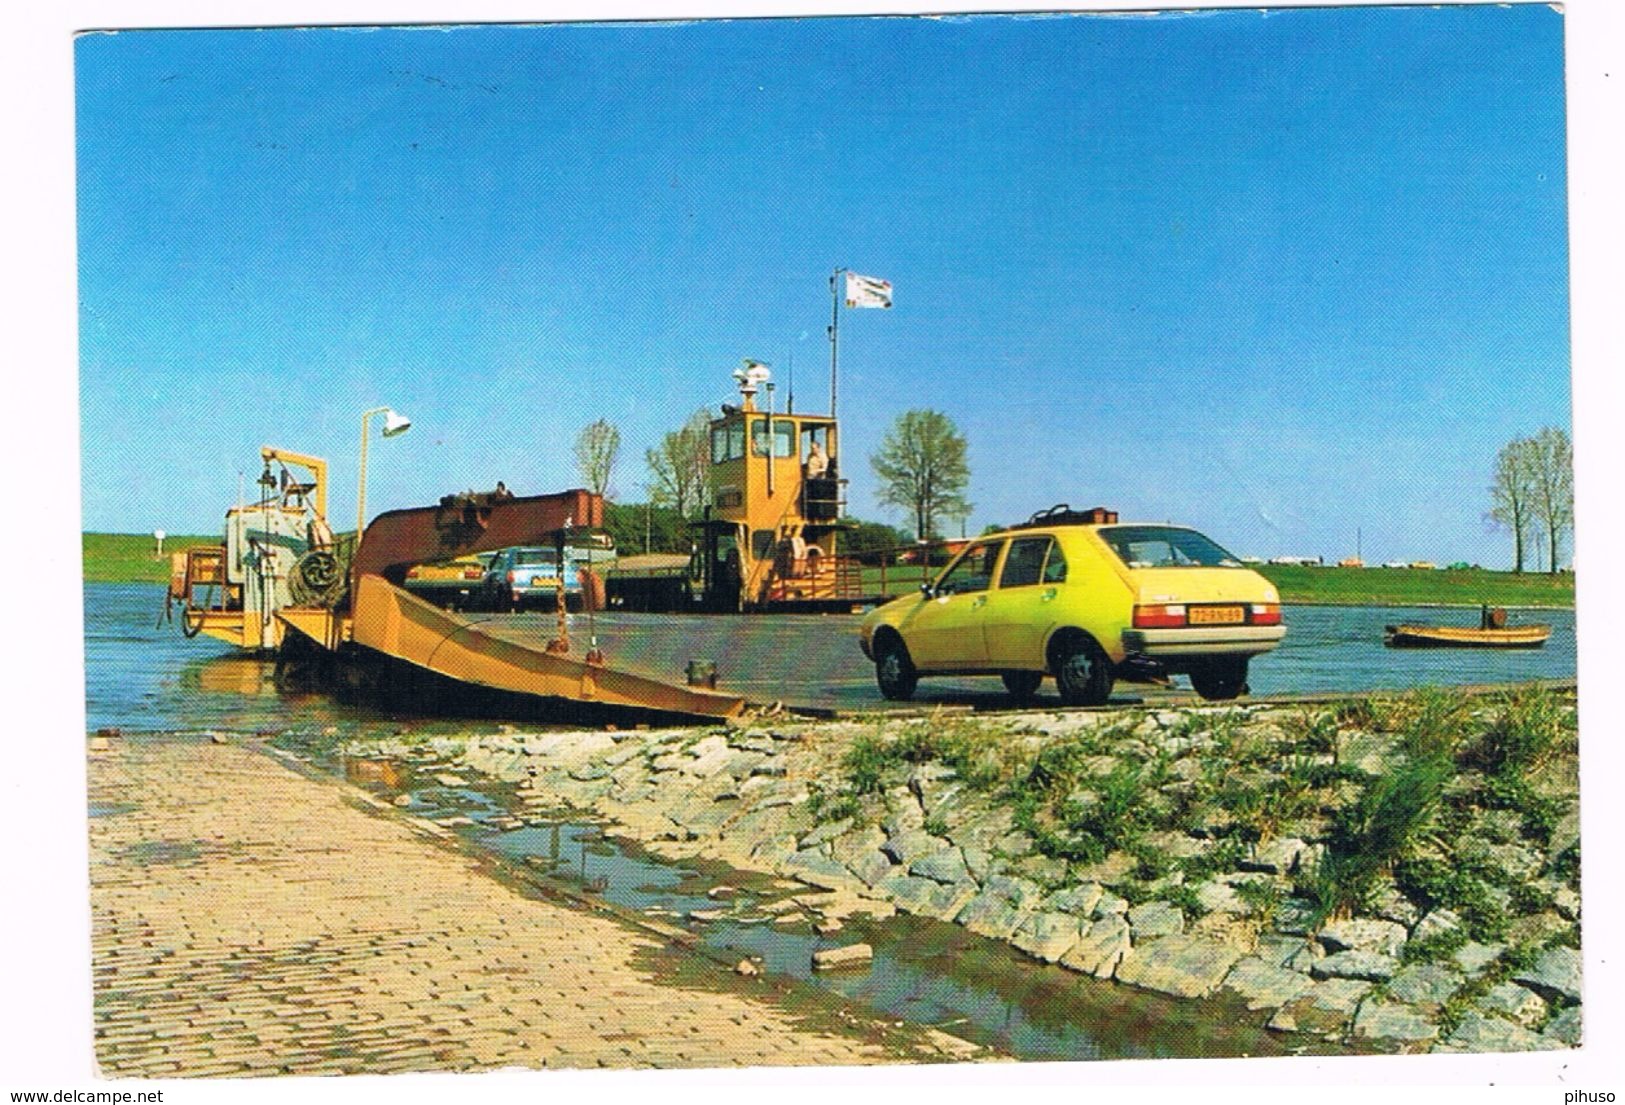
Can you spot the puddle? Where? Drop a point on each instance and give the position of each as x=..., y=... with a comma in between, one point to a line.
x=110, y=809
x=924, y=972
x=151, y=853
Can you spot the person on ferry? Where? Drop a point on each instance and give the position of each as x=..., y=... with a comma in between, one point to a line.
x=817, y=462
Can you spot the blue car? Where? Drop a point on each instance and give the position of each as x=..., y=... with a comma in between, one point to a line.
x=527, y=578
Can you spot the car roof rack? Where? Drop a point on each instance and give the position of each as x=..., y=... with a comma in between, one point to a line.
x=1062, y=514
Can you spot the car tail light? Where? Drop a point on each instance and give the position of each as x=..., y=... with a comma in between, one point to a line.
x=1159, y=616
x=472, y=573
x=512, y=576
x=411, y=573
x=1265, y=613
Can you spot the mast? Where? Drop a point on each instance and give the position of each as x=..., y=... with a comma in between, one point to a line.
x=834, y=334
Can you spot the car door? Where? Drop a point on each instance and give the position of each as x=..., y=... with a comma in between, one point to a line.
x=1021, y=608
x=944, y=633
x=496, y=578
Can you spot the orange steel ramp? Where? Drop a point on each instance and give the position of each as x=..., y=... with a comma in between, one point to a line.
x=390, y=621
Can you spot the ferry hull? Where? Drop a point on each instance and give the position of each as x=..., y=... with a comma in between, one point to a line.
x=1443, y=636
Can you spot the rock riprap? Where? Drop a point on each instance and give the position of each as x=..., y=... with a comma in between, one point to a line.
x=1197, y=904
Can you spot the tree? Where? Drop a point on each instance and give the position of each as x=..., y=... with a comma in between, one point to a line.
x=1512, y=495
x=923, y=470
x=868, y=541
x=597, y=446
x=643, y=527
x=1552, y=460
x=680, y=466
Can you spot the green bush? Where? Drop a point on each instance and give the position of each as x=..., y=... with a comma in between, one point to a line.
x=1395, y=813
x=1313, y=731
x=1532, y=727
x=1184, y=897
x=1457, y=885
x=1223, y=857
x=1154, y=862
x=1431, y=722
x=866, y=764
x=1355, y=713
x=1393, y=816
x=1339, y=885
x=1528, y=898
x=1262, y=896
x=1539, y=813
x=1566, y=864
x=1434, y=948
x=1067, y=826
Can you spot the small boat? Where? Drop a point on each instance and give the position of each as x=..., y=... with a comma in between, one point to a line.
x=1491, y=632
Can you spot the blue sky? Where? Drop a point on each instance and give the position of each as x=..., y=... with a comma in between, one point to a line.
x=1275, y=275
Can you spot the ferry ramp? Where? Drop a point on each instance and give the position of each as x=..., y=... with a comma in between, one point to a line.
x=808, y=662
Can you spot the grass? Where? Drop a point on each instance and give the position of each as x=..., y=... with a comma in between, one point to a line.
x=1394, y=815
x=1418, y=586
x=1532, y=728
x=128, y=557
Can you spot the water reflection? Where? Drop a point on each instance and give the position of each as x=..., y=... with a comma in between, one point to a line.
x=923, y=971
x=237, y=675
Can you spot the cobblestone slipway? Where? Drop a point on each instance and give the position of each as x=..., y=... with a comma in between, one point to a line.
x=249, y=920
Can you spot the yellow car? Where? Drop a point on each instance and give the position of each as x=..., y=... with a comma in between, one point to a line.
x=1076, y=595
x=450, y=583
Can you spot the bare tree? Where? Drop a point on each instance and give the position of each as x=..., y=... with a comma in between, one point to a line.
x=597, y=447
x=1552, y=459
x=923, y=469
x=1512, y=495
x=680, y=466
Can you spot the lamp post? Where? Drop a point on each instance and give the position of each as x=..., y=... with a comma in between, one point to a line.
x=394, y=423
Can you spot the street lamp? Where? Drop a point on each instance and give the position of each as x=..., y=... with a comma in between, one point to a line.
x=394, y=423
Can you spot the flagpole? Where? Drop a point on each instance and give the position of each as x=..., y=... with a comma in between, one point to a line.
x=834, y=336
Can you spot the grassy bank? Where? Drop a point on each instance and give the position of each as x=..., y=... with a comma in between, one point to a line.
x=1418, y=586
x=1347, y=586
x=128, y=557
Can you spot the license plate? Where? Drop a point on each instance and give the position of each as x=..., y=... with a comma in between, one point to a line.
x=1217, y=615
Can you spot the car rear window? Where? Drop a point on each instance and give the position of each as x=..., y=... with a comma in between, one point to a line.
x=1166, y=547
x=535, y=556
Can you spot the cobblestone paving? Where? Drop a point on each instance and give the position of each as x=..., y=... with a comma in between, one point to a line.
x=252, y=921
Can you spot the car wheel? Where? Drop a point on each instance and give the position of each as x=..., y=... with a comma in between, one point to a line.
x=1022, y=685
x=1083, y=673
x=1220, y=680
x=894, y=671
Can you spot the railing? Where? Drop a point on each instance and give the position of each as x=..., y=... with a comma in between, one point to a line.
x=821, y=499
x=872, y=574
x=899, y=569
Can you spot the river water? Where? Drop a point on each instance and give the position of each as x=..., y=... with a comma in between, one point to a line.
x=143, y=676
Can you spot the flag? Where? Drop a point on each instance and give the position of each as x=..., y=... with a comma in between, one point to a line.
x=867, y=291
